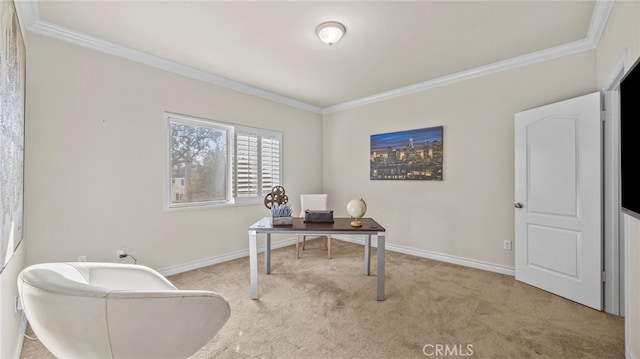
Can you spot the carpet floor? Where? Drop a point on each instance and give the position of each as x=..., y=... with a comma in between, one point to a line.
x=314, y=307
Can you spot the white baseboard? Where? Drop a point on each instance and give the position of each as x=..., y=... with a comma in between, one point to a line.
x=180, y=268
x=466, y=262
x=628, y=353
x=390, y=247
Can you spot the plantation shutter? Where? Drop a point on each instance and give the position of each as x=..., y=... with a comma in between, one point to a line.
x=246, y=173
x=270, y=163
x=258, y=163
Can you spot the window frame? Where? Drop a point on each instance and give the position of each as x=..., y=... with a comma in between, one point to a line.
x=231, y=169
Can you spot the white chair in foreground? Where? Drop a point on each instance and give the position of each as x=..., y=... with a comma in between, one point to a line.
x=116, y=310
x=313, y=202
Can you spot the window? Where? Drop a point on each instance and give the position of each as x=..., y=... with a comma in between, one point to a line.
x=215, y=163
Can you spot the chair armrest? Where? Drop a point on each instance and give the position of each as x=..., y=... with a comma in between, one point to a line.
x=69, y=320
x=182, y=320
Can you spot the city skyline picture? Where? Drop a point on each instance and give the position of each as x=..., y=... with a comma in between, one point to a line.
x=407, y=155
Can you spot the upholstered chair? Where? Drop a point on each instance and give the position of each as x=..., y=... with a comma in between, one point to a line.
x=313, y=202
x=116, y=310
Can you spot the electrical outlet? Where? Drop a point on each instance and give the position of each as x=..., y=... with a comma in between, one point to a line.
x=82, y=258
x=506, y=245
x=18, y=304
x=121, y=253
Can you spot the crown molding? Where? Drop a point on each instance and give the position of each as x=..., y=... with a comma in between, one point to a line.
x=64, y=34
x=512, y=63
x=30, y=11
x=34, y=24
x=597, y=25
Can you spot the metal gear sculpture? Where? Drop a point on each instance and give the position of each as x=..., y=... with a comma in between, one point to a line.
x=277, y=195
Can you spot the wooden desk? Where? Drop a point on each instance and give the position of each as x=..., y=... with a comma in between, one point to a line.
x=340, y=226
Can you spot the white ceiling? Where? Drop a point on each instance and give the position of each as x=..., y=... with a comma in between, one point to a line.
x=270, y=48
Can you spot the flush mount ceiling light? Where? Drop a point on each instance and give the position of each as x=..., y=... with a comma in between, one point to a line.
x=330, y=32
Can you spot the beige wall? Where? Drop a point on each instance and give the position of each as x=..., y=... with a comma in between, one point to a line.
x=95, y=159
x=632, y=315
x=623, y=33
x=10, y=325
x=470, y=213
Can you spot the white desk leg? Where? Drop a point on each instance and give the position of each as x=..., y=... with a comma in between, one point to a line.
x=380, y=265
x=367, y=254
x=267, y=255
x=253, y=264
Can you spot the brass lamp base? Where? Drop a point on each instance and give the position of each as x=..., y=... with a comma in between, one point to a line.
x=356, y=223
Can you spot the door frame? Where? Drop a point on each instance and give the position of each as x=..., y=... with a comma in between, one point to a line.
x=614, y=225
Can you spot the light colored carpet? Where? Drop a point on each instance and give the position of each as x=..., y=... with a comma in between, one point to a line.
x=316, y=307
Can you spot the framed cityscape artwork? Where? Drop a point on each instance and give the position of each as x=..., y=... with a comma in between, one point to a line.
x=407, y=155
x=12, y=95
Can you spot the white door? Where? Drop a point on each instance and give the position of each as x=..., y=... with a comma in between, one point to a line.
x=558, y=195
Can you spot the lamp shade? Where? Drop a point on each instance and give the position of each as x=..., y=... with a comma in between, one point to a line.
x=330, y=32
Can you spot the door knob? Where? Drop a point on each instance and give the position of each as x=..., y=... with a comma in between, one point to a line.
x=519, y=205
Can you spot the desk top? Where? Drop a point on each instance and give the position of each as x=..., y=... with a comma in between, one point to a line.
x=340, y=225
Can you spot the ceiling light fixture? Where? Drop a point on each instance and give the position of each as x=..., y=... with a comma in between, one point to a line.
x=330, y=32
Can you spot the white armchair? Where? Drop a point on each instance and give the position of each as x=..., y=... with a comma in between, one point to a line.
x=114, y=310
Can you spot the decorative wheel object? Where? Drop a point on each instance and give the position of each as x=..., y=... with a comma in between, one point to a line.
x=277, y=195
x=278, y=191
